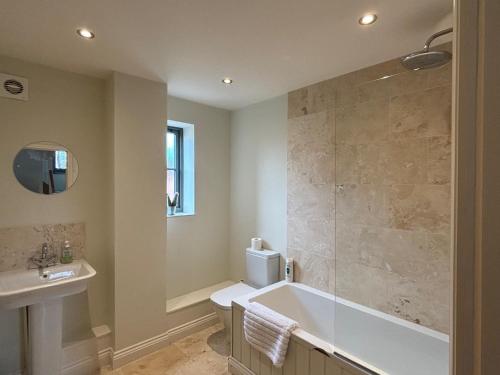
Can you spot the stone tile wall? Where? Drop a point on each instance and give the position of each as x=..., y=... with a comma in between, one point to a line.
x=369, y=167
x=19, y=244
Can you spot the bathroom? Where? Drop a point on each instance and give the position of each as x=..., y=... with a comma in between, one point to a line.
x=162, y=187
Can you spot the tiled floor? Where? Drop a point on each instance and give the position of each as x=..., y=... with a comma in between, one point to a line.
x=203, y=353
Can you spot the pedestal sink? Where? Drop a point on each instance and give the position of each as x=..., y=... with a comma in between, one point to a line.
x=42, y=291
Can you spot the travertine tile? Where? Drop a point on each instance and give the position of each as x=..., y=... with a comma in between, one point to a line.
x=194, y=344
x=346, y=91
x=426, y=303
x=108, y=371
x=209, y=363
x=310, y=200
x=350, y=86
x=332, y=280
x=394, y=85
x=18, y=244
x=297, y=103
x=312, y=235
x=396, y=295
x=439, y=160
x=415, y=255
x=168, y=360
x=440, y=76
x=217, y=341
x=313, y=129
x=421, y=114
x=322, y=96
x=419, y=207
x=375, y=72
x=197, y=343
x=404, y=162
x=396, y=162
x=361, y=204
x=365, y=285
x=348, y=162
x=312, y=269
x=363, y=123
x=313, y=164
x=315, y=98
x=359, y=164
x=192, y=355
x=390, y=210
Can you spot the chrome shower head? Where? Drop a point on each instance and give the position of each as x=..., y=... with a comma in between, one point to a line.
x=427, y=59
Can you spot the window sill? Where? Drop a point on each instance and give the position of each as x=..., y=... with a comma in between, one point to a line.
x=181, y=214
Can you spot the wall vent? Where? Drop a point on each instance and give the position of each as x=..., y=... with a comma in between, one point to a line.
x=13, y=87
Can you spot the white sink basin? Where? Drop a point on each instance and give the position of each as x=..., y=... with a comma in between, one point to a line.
x=21, y=288
x=43, y=291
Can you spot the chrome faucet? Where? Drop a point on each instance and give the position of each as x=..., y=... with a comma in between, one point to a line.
x=45, y=251
x=43, y=260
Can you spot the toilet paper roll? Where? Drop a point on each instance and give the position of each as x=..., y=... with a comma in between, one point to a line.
x=256, y=243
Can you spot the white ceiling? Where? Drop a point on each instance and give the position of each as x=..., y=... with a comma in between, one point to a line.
x=268, y=47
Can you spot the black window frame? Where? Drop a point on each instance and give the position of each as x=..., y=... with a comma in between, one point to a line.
x=178, y=163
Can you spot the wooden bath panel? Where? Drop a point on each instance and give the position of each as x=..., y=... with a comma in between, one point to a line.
x=301, y=359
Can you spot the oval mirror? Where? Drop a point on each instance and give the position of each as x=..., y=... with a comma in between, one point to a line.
x=45, y=168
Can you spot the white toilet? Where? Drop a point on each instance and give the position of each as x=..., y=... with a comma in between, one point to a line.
x=262, y=269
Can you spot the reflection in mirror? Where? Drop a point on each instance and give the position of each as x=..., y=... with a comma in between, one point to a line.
x=45, y=168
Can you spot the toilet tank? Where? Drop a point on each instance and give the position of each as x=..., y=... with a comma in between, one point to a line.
x=263, y=267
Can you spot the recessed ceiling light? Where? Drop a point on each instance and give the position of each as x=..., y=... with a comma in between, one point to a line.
x=368, y=19
x=85, y=33
x=227, y=81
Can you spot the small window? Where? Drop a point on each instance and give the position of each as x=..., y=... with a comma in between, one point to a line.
x=180, y=158
x=60, y=161
x=174, y=155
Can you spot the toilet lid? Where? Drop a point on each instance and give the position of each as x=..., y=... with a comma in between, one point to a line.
x=224, y=297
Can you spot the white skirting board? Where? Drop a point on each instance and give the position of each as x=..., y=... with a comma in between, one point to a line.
x=133, y=352
x=85, y=356
x=79, y=358
x=105, y=357
x=88, y=364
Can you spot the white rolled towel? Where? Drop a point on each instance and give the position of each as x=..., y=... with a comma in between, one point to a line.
x=268, y=331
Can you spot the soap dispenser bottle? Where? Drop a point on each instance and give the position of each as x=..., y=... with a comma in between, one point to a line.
x=289, y=270
x=66, y=253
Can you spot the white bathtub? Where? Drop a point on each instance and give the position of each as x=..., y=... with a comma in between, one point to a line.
x=375, y=340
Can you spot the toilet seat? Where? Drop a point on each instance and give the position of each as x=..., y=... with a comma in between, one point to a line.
x=223, y=298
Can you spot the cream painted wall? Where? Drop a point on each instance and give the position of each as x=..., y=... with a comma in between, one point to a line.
x=197, y=251
x=139, y=115
x=258, y=179
x=66, y=108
